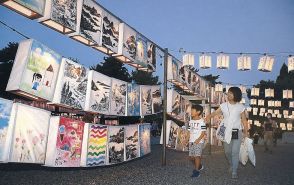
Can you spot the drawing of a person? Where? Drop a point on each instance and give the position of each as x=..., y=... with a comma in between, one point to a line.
x=36, y=80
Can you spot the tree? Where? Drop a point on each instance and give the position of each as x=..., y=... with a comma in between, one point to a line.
x=7, y=55
x=144, y=78
x=113, y=68
x=212, y=79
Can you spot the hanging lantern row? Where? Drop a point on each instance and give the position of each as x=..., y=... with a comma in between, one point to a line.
x=269, y=93
x=287, y=94
x=255, y=91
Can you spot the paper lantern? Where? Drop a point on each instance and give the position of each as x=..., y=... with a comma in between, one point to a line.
x=253, y=101
x=262, y=110
x=223, y=61
x=276, y=112
x=255, y=110
x=270, y=103
x=287, y=94
x=291, y=104
x=205, y=61
x=244, y=63
x=289, y=126
x=279, y=115
x=282, y=125
x=270, y=111
x=278, y=104
x=286, y=116
x=260, y=102
x=34, y=71
x=273, y=115
x=261, y=114
x=219, y=88
x=61, y=15
x=243, y=101
x=255, y=91
x=89, y=24
x=29, y=9
x=290, y=63
x=188, y=60
x=256, y=122
x=249, y=109
x=243, y=89
x=250, y=121
x=285, y=112
x=269, y=93
x=292, y=113
x=266, y=63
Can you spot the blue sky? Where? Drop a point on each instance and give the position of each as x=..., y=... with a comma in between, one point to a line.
x=195, y=25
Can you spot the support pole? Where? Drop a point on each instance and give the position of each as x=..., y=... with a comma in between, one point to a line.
x=209, y=112
x=163, y=162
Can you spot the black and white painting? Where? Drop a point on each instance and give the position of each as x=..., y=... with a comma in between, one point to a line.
x=110, y=32
x=132, y=142
x=133, y=100
x=173, y=133
x=91, y=21
x=151, y=56
x=195, y=84
x=116, y=141
x=118, y=97
x=99, y=100
x=72, y=85
x=129, y=49
x=65, y=13
x=156, y=99
x=176, y=103
x=146, y=100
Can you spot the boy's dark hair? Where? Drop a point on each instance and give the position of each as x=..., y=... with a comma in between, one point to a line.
x=237, y=93
x=197, y=107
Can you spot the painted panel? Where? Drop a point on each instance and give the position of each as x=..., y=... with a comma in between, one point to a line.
x=183, y=140
x=144, y=131
x=173, y=133
x=118, y=97
x=156, y=99
x=133, y=100
x=115, y=144
x=132, y=142
x=146, y=100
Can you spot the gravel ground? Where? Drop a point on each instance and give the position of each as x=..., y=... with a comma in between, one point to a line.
x=276, y=168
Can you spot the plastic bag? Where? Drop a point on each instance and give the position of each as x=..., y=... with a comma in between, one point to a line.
x=243, y=155
x=251, y=153
x=220, y=132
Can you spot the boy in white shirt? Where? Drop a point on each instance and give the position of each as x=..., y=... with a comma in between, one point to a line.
x=197, y=134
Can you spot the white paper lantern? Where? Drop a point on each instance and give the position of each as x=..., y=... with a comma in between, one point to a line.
x=266, y=63
x=270, y=111
x=289, y=126
x=223, y=61
x=29, y=9
x=188, y=60
x=285, y=112
x=290, y=63
x=253, y=102
x=261, y=114
x=287, y=94
x=276, y=112
x=205, y=61
x=255, y=110
x=250, y=121
x=243, y=101
x=260, y=102
x=291, y=104
x=243, y=89
x=262, y=110
x=256, y=122
x=244, y=63
x=218, y=88
x=278, y=104
x=269, y=93
x=279, y=115
x=273, y=115
x=248, y=109
x=255, y=91
x=270, y=103
x=286, y=116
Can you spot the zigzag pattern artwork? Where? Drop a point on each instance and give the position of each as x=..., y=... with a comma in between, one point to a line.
x=97, y=140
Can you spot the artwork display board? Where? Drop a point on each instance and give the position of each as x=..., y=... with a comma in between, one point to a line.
x=133, y=100
x=34, y=71
x=64, y=142
x=171, y=134
x=116, y=144
x=118, y=97
x=61, y=15
x=146, y=100
x=144, y=135
x=30, y=134
x=132, y=146
x=71, y=85
x=173, y=69
x=94, y=152
x=98, y=93
x=156, y=99
x=7, y=116
x=173, y=103
x=182, y=142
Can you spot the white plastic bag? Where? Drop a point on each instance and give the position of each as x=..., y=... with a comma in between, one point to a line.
x=251, y=153
x=243, y=155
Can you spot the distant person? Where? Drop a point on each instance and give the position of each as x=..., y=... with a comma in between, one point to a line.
x=197, y=128
x=269, y=126
x=235, y=122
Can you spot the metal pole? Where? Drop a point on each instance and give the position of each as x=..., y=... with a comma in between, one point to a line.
x=209, y=124
x=163, y=162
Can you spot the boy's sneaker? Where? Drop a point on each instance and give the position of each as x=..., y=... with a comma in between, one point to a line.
x=201, y=167
x=196, y=173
